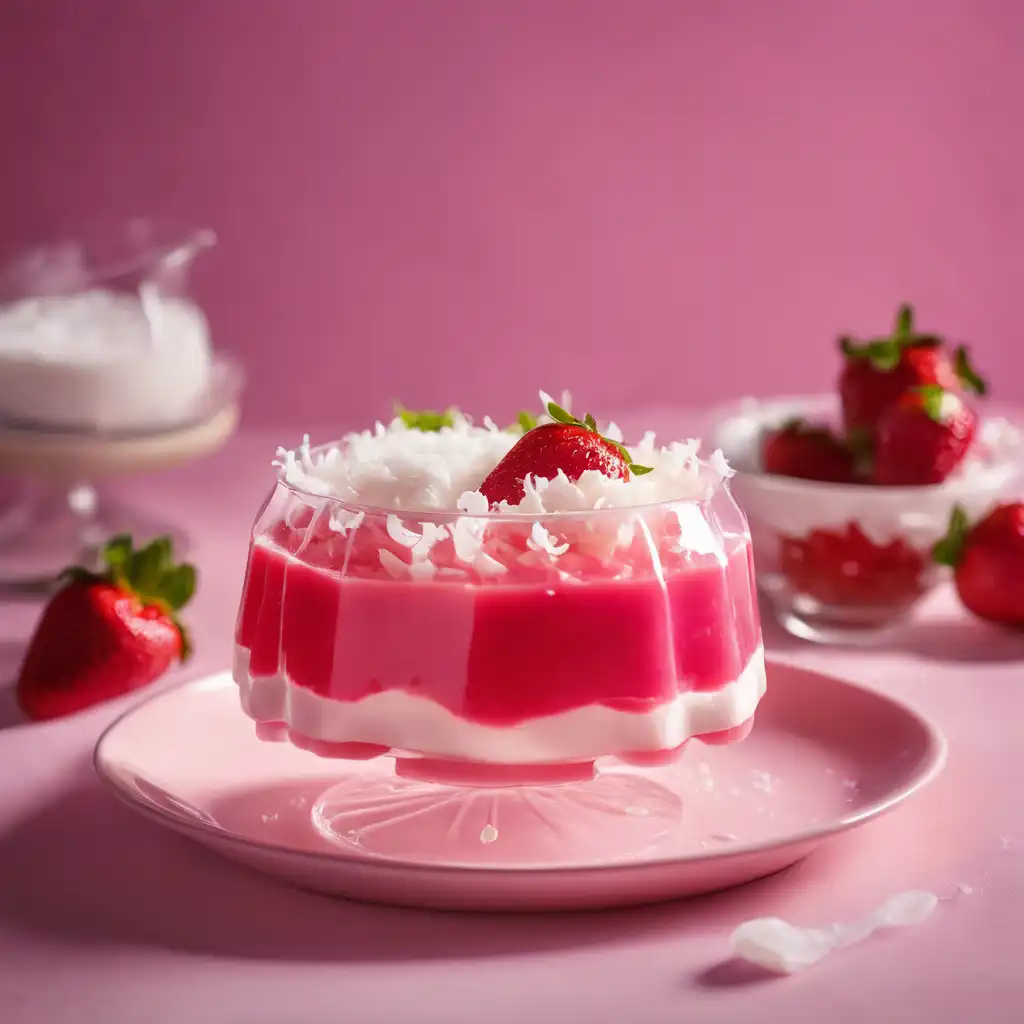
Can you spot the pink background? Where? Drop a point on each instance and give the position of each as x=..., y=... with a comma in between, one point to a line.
x=648, y=202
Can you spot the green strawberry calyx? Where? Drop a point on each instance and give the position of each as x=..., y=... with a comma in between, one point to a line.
x=969, y=378
x=149, y=573
x=933, y=400
x=949, y=550
x=884, y=353
x=560, y=415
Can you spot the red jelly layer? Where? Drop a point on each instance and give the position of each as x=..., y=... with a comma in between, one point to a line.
x=499, y=654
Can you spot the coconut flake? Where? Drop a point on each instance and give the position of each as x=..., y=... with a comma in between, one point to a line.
x=468, y=538
x=342, y=520
x=779, y=946
x=541, y=540
x=400, y=534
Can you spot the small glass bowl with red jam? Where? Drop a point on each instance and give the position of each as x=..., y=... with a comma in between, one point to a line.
x=845, y=562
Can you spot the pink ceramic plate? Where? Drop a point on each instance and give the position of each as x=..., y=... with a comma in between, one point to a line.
x=824, y=756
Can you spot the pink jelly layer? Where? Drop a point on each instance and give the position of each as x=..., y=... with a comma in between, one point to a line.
x=499, y=654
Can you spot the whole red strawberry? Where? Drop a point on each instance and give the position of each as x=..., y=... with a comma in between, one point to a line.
x=567, y=445
x=800, y=450
x=988, y=562
x=875, y=374
x=922, y=438
x=105, y=634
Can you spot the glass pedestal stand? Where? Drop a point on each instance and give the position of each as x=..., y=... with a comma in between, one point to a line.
x=436, y=813
x=59, y=515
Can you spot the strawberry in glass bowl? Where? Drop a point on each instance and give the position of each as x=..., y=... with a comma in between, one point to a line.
x=847, y=493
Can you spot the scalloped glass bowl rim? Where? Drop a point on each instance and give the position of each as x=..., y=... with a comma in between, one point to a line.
x=450, y=516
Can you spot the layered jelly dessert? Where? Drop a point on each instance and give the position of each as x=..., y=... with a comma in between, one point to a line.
x=459, y=593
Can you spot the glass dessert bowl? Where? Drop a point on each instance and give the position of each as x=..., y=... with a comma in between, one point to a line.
x=845, y=562
x=510, y=661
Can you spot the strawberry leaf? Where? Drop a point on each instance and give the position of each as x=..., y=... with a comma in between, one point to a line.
x=186, y=641
x=968, y=377
x=177, y=586
x=638, y=470
x=949, y=550
x=884, y=355
x=117, y=553
x=559, y=415
x=932, y=401
x=904, y=331
x=146, y=567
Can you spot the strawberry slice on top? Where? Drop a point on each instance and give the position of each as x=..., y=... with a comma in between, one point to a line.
x=565, y=445
x=876, y=373
x=104, y=634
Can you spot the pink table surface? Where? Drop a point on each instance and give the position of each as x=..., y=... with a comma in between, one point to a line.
x=104, y=917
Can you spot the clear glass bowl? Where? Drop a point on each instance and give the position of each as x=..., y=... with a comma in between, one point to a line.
x=842, y=563
x=498, y=653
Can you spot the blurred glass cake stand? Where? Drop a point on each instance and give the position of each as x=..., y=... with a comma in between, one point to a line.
x=59, y=514
x=60, y=454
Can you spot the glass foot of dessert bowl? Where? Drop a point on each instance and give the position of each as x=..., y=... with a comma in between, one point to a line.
x=544, y=824
x=60, y=512
x=825, y=756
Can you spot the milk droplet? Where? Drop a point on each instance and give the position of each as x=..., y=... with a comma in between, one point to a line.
x=488, y=834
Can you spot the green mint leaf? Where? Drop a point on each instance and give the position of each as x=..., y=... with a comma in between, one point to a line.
x=426, y=420
x=638, y=470
x=968, y=377
x=526, y=421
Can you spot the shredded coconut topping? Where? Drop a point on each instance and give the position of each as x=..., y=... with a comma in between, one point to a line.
x=395, y=467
